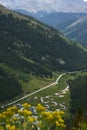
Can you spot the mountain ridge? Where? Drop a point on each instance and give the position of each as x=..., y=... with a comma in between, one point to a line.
x=72, y=25
x=30, y=48
x=76, y=30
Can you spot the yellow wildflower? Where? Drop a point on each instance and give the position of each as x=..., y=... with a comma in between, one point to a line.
x=1, y=128
x=15, y=119
x=47, y=116
x=61, y=120
x=60, y=112
x=20, y=112
x=57, y=123
x=57, y=115
x=2, y=116
x=26, y=105
x=8, y=113
x=9, y=127
x=40, y=108
x=12, y=109
x=62, y=125
x=26, y=112
x=31, y=119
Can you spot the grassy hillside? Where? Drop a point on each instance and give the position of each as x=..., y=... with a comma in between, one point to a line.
x=29, y=48
x=75, y=29
x=58, y=19
x=73, y=25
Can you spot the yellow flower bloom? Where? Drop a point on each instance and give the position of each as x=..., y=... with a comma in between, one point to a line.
x=47, y=116
x=31, y=119
x=20, y=112
x=57, y=123
x=61, y=112
x=25, y=112
x=61, y=120
x=1, y=128
x=57, y=115
x=40, y=108
x=13, y=128
x=9, y=127
x=3, y=116
x=63, y=125
x=26, y=105
x=12, y=109
x=15, y=119
x=14, y=115
x=8, y=113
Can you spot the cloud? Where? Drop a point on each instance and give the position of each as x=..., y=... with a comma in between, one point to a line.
x=47, y=5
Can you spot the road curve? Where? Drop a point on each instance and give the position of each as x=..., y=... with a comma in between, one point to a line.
x=52, y=84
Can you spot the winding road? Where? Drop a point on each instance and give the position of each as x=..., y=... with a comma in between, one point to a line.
x=52, y=84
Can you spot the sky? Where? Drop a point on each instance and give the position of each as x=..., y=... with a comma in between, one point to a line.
x=47, y=5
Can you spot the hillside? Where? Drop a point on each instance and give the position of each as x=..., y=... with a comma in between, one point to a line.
x=76, y=30
x=72, y=25
x=28, y=47
x=60, y=18
x=9, y=86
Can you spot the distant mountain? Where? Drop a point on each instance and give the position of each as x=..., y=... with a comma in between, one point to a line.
x=73, y=25
x=54, y=19
x=47, y=5
x=28, y=47
x=22, y=11
x=75, y=29
x=37, y=15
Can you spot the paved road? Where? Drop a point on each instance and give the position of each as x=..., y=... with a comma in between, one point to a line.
x=52, y=84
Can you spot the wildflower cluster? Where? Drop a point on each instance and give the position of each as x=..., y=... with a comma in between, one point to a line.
x=15, y=118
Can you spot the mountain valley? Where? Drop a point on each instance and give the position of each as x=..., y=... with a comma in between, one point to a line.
x=29, y=47
x=40, y=66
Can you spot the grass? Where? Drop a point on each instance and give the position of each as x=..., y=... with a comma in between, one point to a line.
x=52, y=90
x=49, y=95
x=34, y=84
x=31, y=83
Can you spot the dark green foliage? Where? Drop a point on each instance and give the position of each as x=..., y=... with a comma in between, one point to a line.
x=28, y=46
x=35, y=48
x=9, y=86
x=78, y=89
x=77, y=121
